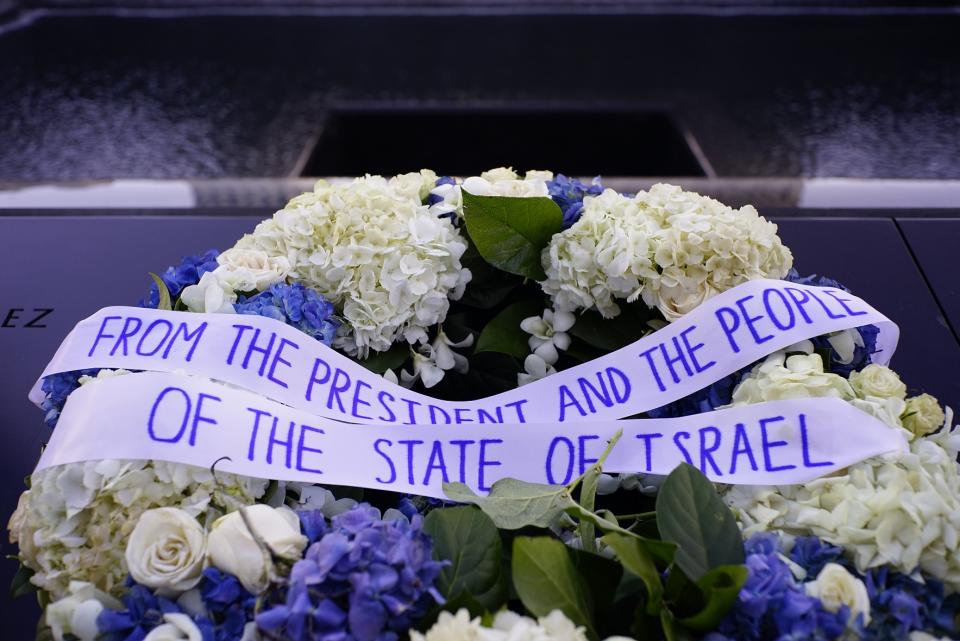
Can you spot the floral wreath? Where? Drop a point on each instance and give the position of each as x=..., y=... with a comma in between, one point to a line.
x=462, y=289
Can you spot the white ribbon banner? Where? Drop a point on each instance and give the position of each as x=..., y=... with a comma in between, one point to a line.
x=186, y=419
x=724, y=334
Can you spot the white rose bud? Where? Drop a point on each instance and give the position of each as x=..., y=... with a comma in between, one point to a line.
x=878, y=380
x=233, y=549
x=177, y=627
x=246, y=269
x=835, y=587
x=166, y=550
x=923, y=415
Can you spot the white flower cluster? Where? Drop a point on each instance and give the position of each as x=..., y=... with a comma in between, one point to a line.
x=502, y=181
x=74, y=521
x=387, y=263
x=902, y=510
x=674, y=248
x=548, y=337
x=507, y=626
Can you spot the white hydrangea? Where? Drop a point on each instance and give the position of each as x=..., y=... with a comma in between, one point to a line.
x=902, y=510
x=502, y=181
x=388, y=264
x=73, y=522
x=606, y=255
x=507, y=626
x=781, y=377
x=675, y=248
x=705, y=247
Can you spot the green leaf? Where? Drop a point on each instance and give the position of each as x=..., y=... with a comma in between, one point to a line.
x=610, y=334
x=510, y=233
x=467, y=538
x=21, y=582
x=719, y=587
x=671, y=630
x=634, y=556
x=546, y=580
x=503, y=334
x=488, y=286
x=691, y=514
x=379, y=362
x=599, y=577
x=514, y=504
x=165, y=303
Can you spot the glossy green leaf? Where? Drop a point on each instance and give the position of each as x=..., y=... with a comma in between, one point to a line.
x=514, y=504
x=468, y=539
x=503, y=334
x=546, y=579
x=380, y=362
x=165, y=303
x=692, y=515
x=635, y=557
x=21, y=582
x=510, y=233
x=719, y=588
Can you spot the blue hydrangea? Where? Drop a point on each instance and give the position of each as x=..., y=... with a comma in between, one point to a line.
x=812, y=554
x=899, y=604
x=295, y=305
x=861, y=354
x=363, y=579
x=705, y=400
x=772, y=605
x=143, y=611
x=229, y=606
x=228, y=609
x=433, y=199
x=188, y=272
x=569, y=193
x=57, y=388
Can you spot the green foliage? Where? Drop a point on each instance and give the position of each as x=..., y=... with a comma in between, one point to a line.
x=611, y=334
x=165, y=303
x=380, y=362
x=510, y=233
x=546, y=579
x=503, y=333
x=691, y=514
x=514, y=504
x=467, y=538
x=645, y=590
x=21, y=582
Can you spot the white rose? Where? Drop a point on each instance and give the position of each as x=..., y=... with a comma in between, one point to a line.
x=166, y=550
x=836, y=587
x=210, y=295
x=923, y=415
x=178, y=627
x=878, y=380
x=76, y=614
x=233, y=549
x=246, y=269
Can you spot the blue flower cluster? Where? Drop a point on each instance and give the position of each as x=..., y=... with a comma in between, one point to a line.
x=705, y=400
x=57, y=388
x=772, y=605
x=295, y=305
x=861, y=354
x=568, y=193
x=188, y=272
x=227, y=610
x=363, y=579
x=900, y=604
